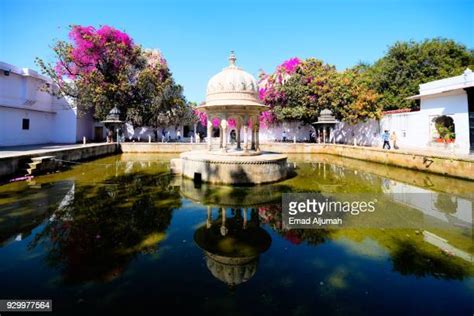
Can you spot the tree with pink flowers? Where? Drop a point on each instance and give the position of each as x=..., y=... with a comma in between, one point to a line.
x=102, y=68
x=301, y=89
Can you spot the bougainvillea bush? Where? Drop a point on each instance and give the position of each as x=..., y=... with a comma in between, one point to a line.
x=101, y=68
x=301, y=89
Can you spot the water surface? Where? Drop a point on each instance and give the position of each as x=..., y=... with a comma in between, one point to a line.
x=120, y=234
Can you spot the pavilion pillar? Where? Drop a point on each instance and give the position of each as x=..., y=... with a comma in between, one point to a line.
x=195, y=132
x=224, y=229
x=257, y=137
x=246, y=138
x=246, y=132
x=209, y=134
x=224, y=134
x=253, y=135
x=239, y=126
x=209, y=217
x=220, y=136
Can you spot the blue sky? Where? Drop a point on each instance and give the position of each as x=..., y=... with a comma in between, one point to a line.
x=196, y=36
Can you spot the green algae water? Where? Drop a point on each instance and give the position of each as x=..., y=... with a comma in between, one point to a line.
x=123, y=235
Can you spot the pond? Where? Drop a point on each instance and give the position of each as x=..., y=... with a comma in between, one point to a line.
x=121, y=234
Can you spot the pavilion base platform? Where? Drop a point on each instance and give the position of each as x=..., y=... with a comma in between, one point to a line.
x=211, y=167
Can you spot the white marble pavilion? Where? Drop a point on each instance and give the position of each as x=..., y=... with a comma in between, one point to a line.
x=233, y=94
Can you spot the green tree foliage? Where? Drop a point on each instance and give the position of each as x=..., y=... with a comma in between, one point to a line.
x=313, y=86
x=406, y=65
x=103, y=68
x=353, y=100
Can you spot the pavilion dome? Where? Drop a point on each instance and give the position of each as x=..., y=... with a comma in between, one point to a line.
x=326, y=112
x=231, y=271
x=232, y=86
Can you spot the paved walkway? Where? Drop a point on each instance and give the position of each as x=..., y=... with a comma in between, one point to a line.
x=434, y=152
x=14, y=151
x=439, y=152
x=45, y=148
x=448, y=153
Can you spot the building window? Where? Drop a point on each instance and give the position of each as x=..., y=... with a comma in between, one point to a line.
x=26, y=124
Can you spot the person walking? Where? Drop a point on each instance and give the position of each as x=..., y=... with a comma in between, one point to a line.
x=386, y=139
x=394, y=139
x=178, y=135
x=283, y=136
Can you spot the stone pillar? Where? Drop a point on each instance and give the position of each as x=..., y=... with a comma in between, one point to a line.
x=220, y=136
x=253, y=134
x=224, y=229
x=224, y=134
x=239, y=126
x=246, y=138
x=246, y=133
x=209, y=134
x=257, y=137
x=195, y=132
x=209, y=217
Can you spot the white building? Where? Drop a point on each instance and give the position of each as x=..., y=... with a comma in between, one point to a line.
x=451, y=97
x=29, y=115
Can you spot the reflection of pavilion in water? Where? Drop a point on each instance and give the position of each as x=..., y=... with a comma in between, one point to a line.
x=232, y=244
x=231, y=238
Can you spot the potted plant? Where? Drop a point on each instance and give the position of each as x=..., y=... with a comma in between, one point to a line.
x=445, y=128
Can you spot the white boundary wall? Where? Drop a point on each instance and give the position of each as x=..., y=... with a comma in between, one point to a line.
x=293, y=129
x=415, y=129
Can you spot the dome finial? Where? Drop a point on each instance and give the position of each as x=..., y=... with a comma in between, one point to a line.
x=232, y=59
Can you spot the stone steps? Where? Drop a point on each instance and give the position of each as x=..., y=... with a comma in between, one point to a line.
x=38, y=165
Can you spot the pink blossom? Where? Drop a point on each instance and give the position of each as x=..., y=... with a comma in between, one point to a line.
x=262, y=93
x=201, y=116
x=289, y=66
x=105, y=47
x=266, y=118
x=232, y=123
